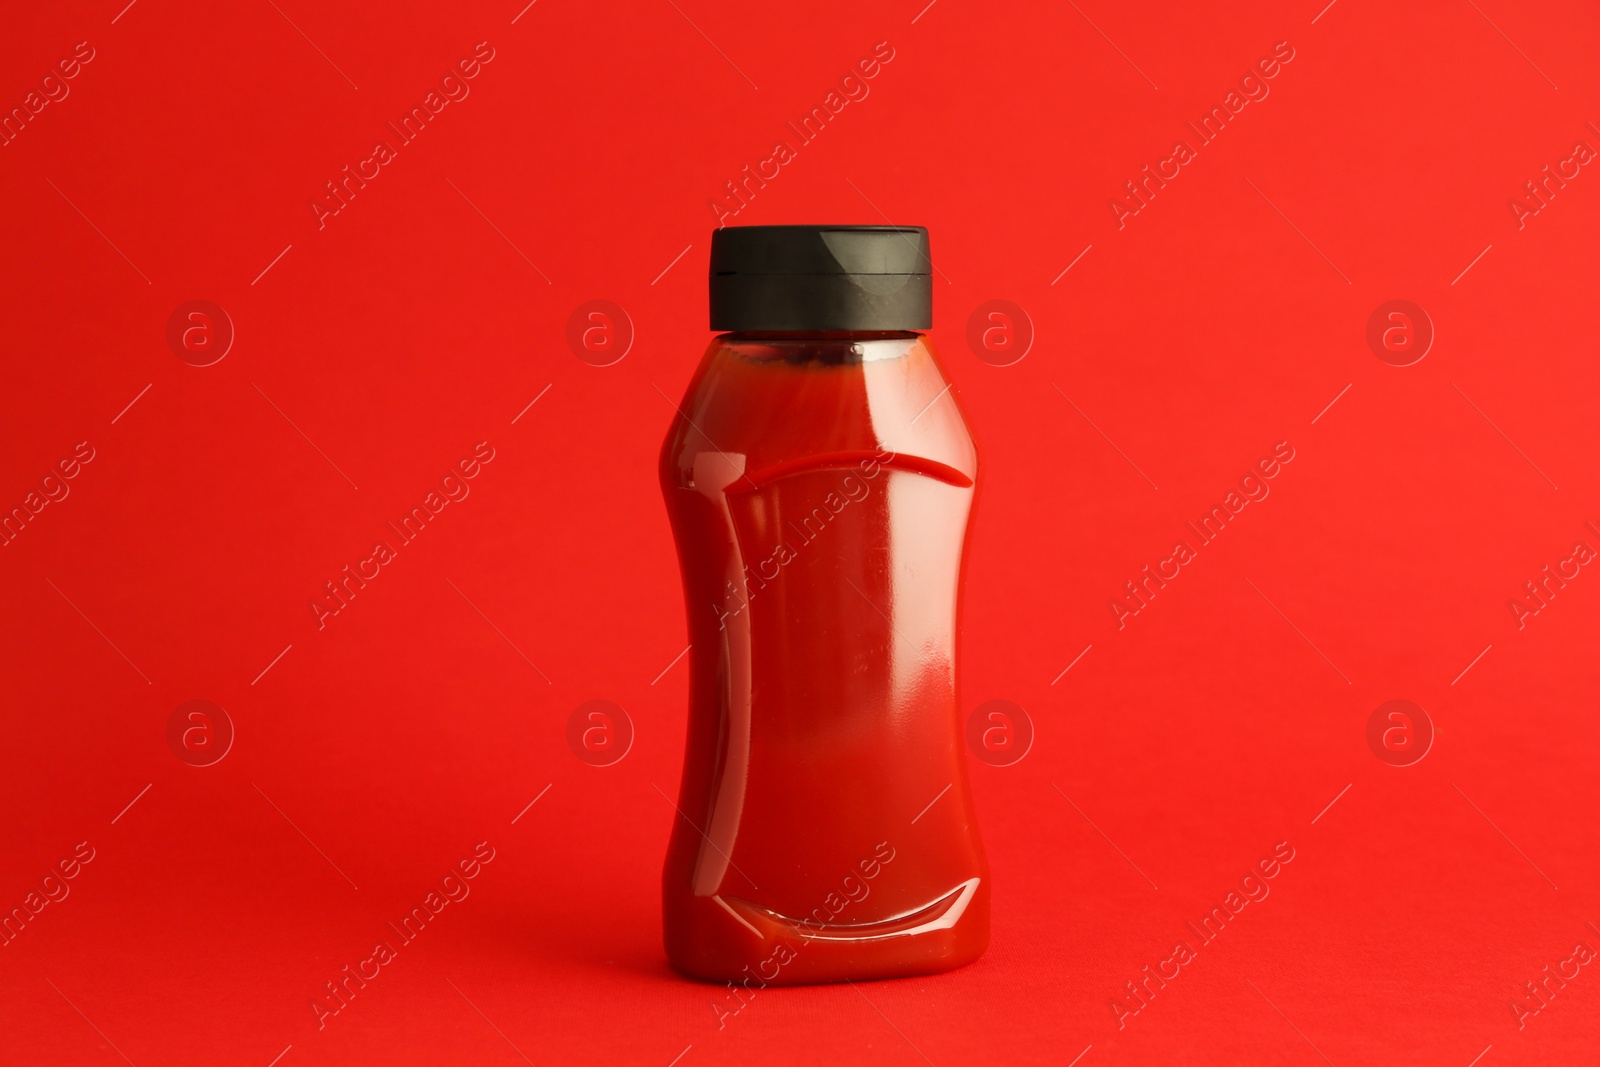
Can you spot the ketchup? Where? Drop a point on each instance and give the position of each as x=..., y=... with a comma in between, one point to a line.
x=819, y=478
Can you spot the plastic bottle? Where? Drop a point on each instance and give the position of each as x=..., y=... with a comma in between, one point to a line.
x=819, y=478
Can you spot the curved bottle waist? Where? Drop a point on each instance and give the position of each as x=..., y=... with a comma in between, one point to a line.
x=822, y=593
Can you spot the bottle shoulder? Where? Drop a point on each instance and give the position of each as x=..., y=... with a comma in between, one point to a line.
x=781, y=405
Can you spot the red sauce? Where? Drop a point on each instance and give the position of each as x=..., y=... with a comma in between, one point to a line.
x=819, y=488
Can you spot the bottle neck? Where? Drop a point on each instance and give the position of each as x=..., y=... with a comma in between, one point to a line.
x=844, y=336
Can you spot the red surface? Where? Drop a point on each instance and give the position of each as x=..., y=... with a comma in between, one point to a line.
x=1222, y=319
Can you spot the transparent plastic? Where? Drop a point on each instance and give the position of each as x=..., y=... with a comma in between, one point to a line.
x=819, y=487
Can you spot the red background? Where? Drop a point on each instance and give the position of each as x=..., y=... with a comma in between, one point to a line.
x=1222, y=319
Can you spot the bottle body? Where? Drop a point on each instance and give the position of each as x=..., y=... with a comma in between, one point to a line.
x=819, y=488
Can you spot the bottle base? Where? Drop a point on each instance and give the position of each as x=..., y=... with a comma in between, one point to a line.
x=821, y=973
x=714, y=939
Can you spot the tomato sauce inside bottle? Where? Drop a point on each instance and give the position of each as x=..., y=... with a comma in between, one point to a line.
x=819, y=482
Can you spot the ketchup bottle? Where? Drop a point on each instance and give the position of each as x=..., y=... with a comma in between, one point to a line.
x=819, y=478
